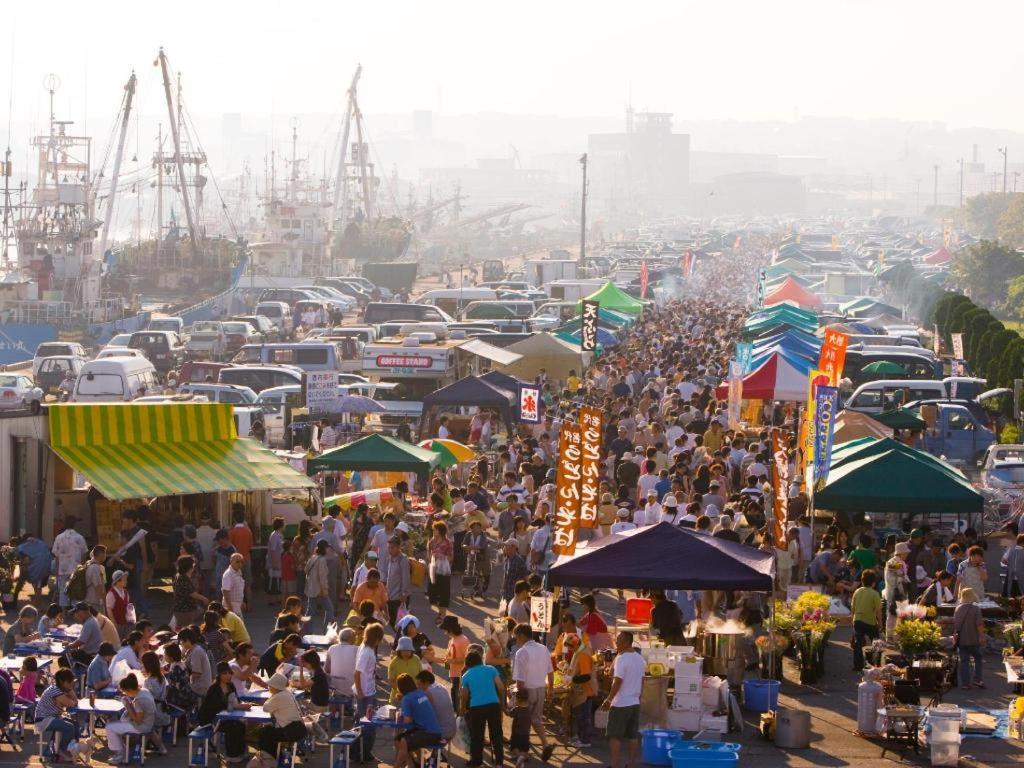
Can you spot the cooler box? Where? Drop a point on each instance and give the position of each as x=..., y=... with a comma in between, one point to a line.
x=638, y=610
x=655, y=745
x=704, y=754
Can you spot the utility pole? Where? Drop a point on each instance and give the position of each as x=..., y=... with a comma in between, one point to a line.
x=159, y=184
x=961, y=204
x=583, y=212
x=129, y=94
x=1003, y=152
x=176, y=137
x=935, y=188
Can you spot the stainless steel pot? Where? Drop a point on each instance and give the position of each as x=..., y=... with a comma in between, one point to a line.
x=719, y=650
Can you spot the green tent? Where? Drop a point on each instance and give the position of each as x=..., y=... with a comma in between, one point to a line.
x=900, y=418
x=610, y=296
x=886, y=476
x=376, y=453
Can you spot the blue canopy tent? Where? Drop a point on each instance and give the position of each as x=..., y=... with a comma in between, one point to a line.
x=664, y=556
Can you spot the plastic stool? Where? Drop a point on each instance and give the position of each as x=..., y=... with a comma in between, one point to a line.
x=199, y=746
x=286, y=754
x=430, y=757
x=344, y=742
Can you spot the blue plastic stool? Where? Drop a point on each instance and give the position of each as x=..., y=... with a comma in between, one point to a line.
x=343, y=742
x=199, y=746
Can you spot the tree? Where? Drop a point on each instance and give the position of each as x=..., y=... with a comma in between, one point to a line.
x=1014, y=303
x=1010, y=226
x=983, y=213
x=984, y=270
x=957, y=318
x=981, y=352
x=1010, y=363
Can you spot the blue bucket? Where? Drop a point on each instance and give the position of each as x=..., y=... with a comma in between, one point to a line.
x=655, y=745
x=702, y=754
x=760, y=695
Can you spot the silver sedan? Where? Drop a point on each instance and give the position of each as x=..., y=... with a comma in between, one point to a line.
x=19, y=392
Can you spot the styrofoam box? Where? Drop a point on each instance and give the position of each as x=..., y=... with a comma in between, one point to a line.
x=688, y=685
x=711, y=692
x=686, y=669
x=683, y=719
x=716, y=724
x=687, y=701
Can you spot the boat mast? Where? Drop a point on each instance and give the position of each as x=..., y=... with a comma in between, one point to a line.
x=341, y=181
x=175, y=137
x=159, y=184
x=129, y=95
x=363, y=177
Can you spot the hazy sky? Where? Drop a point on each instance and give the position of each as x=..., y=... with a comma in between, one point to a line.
x=940, y=60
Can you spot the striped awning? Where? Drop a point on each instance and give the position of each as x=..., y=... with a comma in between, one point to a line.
x=164, y=449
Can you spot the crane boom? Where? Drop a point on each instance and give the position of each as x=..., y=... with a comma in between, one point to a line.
x=341, y=180
x=129, y=89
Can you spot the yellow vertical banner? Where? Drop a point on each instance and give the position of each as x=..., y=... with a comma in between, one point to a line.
x=814, y=378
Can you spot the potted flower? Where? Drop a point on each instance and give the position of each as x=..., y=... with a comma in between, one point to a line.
x=917, y=636
x=770, y=655
x=8, y=561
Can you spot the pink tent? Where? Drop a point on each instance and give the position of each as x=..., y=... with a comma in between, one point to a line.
x=791, y=290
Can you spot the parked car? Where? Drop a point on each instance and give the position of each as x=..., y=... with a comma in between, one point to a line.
x=220, y=393
x=280, y=314
x=175, y=324
x=1002, y=482
x=57, y=349
x=17, y=391
x=118, y=340
x=1000, y=452
x=238, y=333
x=54, y=370
x=162, y=348
x=340, y=301
x=267, y=331
x=352, y=290
x=957, y=435
x=106, y=352
x=383, y=294
x=260, y=377
x=206, y=340
x=200, y=371
x=383, y=312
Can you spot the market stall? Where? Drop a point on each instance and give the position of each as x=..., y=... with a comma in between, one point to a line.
x=543, y=351
x=466, y=392
x=376, y=453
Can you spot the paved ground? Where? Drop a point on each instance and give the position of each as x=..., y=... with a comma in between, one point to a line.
x=832, y=704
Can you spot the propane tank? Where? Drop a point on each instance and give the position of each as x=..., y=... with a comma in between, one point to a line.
x=869, y=701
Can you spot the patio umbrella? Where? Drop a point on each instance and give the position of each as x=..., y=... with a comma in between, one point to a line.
x=451, y=451
x=358, y=404
x=883, y=367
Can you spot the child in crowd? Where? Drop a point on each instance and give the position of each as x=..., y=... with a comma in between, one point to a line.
x=288, y=575
x=26, y=693
x=51, y=620
x=519, y=744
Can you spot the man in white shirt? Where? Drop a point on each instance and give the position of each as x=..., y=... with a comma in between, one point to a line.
x=531, y=666
x=69, y=549
x=341, y=660
x=232, y=584
x=442, y=431
x=622, y=524
x=652, y=511
x=328, y=436
x=623, y=702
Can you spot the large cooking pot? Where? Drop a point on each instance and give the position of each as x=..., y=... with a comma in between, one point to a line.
x=719, y=651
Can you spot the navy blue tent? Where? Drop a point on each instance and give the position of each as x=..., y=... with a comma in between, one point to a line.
x=663, y=556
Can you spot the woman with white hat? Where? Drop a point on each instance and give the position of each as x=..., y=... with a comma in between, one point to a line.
x=287, y=725
x=118, y=602
x=968, y=634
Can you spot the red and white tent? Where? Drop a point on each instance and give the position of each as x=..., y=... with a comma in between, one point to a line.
x=791, y=290
x=941, y=256
x=775, y=379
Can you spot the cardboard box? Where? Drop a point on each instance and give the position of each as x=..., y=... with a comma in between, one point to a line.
x=687, y=701
x=689, y=667
x=713, y=723
x=688, y=686
x=711, y=692
x=683, y=719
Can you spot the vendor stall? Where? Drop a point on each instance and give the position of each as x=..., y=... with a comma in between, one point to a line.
x=469, y=391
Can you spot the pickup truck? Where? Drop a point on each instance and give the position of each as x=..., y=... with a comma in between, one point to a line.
x=956, y=434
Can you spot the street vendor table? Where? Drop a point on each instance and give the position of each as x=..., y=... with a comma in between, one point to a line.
x=260, y=695
x=105, y=707
x=989, y=610
x=70, y=632
x=12, y=664
x=317, y=641
x=253, y=715
x=53, y=649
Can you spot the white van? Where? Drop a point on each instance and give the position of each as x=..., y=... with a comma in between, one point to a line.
x=881, y=395
x=115, y=380
x=454, y=300
x=311, y=356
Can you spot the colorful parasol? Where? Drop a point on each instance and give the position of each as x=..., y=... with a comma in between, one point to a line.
x=450, y=451
x=346, y=501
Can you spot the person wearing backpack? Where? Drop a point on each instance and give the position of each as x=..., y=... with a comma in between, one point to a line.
x=69, y=549
x=75, y=585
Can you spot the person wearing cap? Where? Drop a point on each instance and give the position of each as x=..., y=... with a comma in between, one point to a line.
x=897, y=579
x=403, y=662
x=287, y=725
x=118, y=601
x=713, y=498
x=627, y=474
x=89, y=639
x=397, y=578
x=69, y=550
x=669, y=509
x=623, y=523
x=968, y=635
x=651, y=512
x=370, y=560
x=409, y=626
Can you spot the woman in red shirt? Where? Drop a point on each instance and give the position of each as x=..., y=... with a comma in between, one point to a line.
x=594, y=628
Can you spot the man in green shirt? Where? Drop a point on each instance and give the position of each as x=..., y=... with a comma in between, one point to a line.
x=867, y=616
x=864, y=553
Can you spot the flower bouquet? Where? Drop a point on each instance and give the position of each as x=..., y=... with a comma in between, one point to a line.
x=917, y=636
x=770, y=655
x=911, y=611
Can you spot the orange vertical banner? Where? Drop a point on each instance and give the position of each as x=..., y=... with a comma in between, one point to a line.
x=833, y=355
x=591, y=429
x=567, y=489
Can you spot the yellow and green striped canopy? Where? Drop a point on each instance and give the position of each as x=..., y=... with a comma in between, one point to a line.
x=164, y=449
